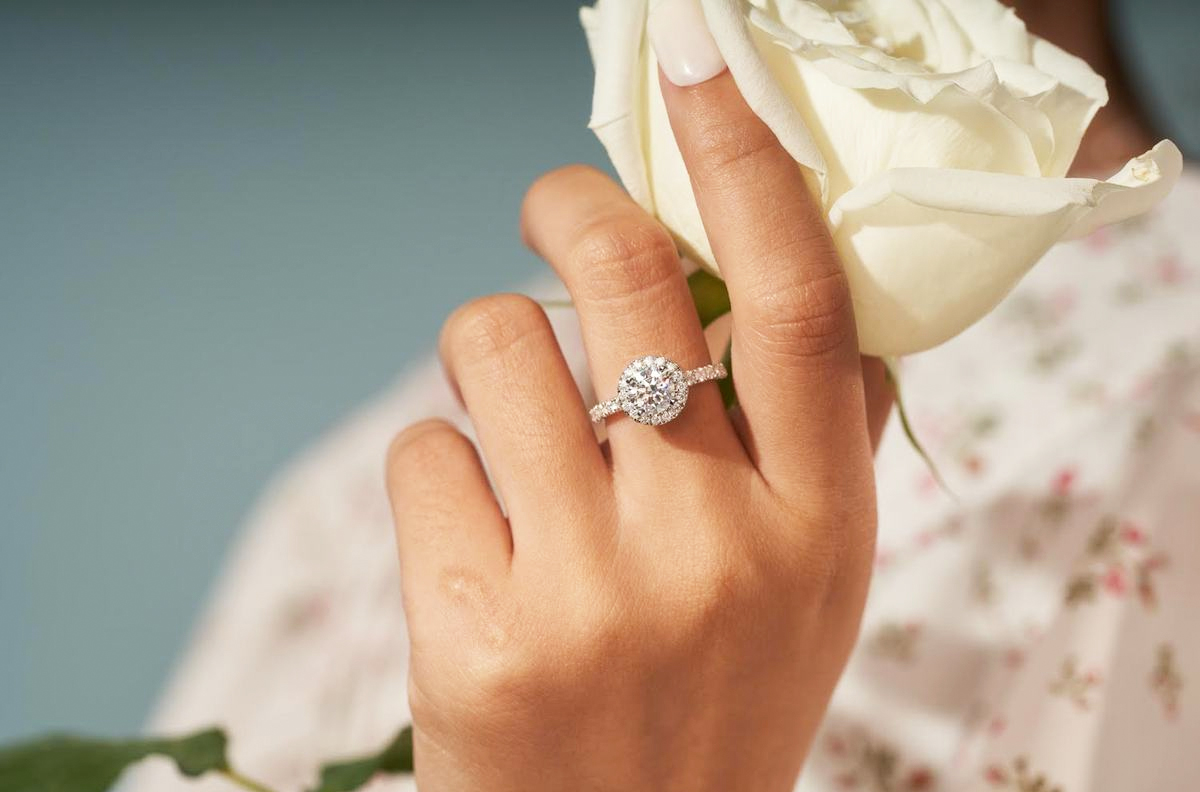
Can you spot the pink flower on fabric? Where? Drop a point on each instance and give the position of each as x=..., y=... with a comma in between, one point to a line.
x=920, y=778
x=973, y=464
x=1171, y=270
x=927, y=485
x=1099, y=240
x=1064, y=301
x=1115, y=581
x=1155, y=563
x=1064, y=481
x=1132, y=534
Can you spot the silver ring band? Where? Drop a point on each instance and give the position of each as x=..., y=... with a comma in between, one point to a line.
x=653, y=390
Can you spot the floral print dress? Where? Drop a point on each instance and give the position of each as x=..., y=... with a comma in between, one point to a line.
x=1034, y=626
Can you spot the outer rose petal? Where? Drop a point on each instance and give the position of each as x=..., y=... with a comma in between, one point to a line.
x=812, y=95
x=929, y=252
x=868, y=111
x=614, y=31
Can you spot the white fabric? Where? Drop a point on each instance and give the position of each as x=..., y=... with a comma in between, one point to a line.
x=1042, y=624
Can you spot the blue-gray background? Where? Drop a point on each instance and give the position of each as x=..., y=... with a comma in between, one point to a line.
x=223, y=225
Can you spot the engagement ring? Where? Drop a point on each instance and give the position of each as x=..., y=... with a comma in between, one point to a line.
x=654, y=390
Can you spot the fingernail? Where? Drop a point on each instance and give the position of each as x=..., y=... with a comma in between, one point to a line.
x=685, y=49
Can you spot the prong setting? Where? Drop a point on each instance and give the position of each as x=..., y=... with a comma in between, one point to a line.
x=653, y=390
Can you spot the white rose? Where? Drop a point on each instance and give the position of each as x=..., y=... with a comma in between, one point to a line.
x=938, y=134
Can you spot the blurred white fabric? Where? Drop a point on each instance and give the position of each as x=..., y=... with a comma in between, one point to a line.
x=1041, y=623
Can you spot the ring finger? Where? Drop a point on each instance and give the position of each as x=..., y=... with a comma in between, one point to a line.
x=624, y=276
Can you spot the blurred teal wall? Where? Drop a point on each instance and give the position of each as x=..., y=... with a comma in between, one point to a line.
x=222, y=226
x=1156, y=41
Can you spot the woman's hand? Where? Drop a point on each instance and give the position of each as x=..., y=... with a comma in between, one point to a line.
x=671, y=614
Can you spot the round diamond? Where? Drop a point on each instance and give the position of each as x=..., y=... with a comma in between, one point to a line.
x=653, y=390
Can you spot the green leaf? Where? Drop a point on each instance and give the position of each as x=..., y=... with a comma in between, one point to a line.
x=710, y=295
x=728, y=391
x=65, y=763
x=396, y=757
x=893, y=375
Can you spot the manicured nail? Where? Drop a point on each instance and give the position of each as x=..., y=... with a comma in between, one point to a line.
x=685, y=49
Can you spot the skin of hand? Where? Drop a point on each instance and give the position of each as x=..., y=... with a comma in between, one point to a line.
x=669, y=610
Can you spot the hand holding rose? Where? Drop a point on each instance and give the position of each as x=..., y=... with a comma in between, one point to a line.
x=670, y=611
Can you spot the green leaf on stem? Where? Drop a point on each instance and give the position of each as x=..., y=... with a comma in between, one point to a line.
x=728, y=391
x=893, y=375
x=65, y=763
x=396, y=757
x=710, y=295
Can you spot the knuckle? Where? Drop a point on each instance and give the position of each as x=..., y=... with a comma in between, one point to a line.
x=615, y=257
x=484, y=695
x=810, y=318
x=502, y=679
x=506, y=688
x=728, y=594
x=734, y=147
x=803, y=568
x=491, y=327
x=602, y=629
x=719, y=585
x=850, y=524
x=835, y=547
x=490, y=680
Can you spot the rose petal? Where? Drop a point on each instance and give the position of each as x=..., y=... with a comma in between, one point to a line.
x=929, y=252
x=1063, y=86
x=896, y=115
x=916, y=120
x=614, y=31
x=930, y=147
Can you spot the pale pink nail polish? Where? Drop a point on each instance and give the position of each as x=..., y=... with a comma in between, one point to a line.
x=685, y=48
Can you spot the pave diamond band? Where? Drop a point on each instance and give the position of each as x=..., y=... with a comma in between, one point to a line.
x=713, y=371
x=653, y=390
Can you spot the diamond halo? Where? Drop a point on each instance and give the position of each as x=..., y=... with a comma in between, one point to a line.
x=653, y=390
